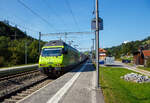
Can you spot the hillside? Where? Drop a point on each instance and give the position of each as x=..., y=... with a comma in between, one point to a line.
x=12, y=32
x=128, y=48
x=14, y=43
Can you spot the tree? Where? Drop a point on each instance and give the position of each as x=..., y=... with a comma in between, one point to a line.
x=148, y=62
x=4, y=52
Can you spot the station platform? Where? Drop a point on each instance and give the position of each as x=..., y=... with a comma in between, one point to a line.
x=76, y=86
x=17, y=67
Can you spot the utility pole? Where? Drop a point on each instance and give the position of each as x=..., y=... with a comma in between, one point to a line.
x=60, y=38
x=15, y=34
x=97, y=41
x=75, y=46
x=39, y=43
x=65, y=37
x=26, y=55
x=93, y=49
x=93, y=43
x=70, y=42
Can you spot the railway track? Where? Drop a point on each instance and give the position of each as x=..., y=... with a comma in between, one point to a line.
x=16, y=75
x=16, y=87
x=26, y=91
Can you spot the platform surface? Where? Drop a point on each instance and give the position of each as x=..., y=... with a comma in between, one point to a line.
x=17, y=67
x=76, y=86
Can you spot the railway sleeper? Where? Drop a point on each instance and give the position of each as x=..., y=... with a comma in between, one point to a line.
x=21, y=94
x=10, y=101
x=16, y=97
x=31, y=90
x=26, y=92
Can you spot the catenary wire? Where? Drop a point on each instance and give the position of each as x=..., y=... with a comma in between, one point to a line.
x=56, y=14
x=36, y=14
x=70, y=10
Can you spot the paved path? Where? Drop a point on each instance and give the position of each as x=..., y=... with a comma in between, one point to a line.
x=77, y=86
x=133, y=68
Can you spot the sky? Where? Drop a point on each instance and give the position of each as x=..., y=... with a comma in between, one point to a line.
x=124, y=20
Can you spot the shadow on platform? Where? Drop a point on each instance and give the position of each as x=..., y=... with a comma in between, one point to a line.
x=88, y=68
x=114, y=65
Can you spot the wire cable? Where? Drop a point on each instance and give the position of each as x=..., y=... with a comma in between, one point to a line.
x=18, y=25
x=94, y=8
x=36, y=14
x=70, y=10
x=53, y=12
x=18, y=18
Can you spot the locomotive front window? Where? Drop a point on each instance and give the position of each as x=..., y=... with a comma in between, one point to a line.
x=51, y=52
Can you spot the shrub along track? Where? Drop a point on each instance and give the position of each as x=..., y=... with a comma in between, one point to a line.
x=16, y=87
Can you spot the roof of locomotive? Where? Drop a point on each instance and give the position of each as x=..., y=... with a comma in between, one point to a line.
x=55, y=43
x=58, y=43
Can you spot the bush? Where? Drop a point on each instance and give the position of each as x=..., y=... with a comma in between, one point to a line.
x=148, y=62
x=2, y=61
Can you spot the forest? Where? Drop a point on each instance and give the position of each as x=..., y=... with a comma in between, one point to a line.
x=127, y=49
x=15, y=44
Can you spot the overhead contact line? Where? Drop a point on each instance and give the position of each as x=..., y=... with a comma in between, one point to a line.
x=71, y=12
x=56, y=14
x=36, y=14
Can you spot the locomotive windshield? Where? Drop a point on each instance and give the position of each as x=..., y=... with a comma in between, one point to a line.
x=51, y=52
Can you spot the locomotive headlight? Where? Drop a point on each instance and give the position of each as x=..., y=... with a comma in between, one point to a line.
x=57, y=64
x=42, y=64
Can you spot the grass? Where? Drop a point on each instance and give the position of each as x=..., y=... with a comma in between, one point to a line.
x=117, y=90
x=144, y=68
x=130, y=64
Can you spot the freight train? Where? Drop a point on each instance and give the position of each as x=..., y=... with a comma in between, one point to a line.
x=58, y=57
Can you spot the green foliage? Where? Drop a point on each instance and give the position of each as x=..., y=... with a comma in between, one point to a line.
x=9, y=31
x=127, y=58
x=126, y=49
x=144, y=68
x=4, y=52
x=2, y=60
x=33, y=48
x=86, y=53
x=148, y=62
x=12, y=51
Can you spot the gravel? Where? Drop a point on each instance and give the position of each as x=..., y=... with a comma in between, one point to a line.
x=134, y=77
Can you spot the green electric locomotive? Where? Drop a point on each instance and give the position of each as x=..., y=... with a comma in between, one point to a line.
x=57, y=57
